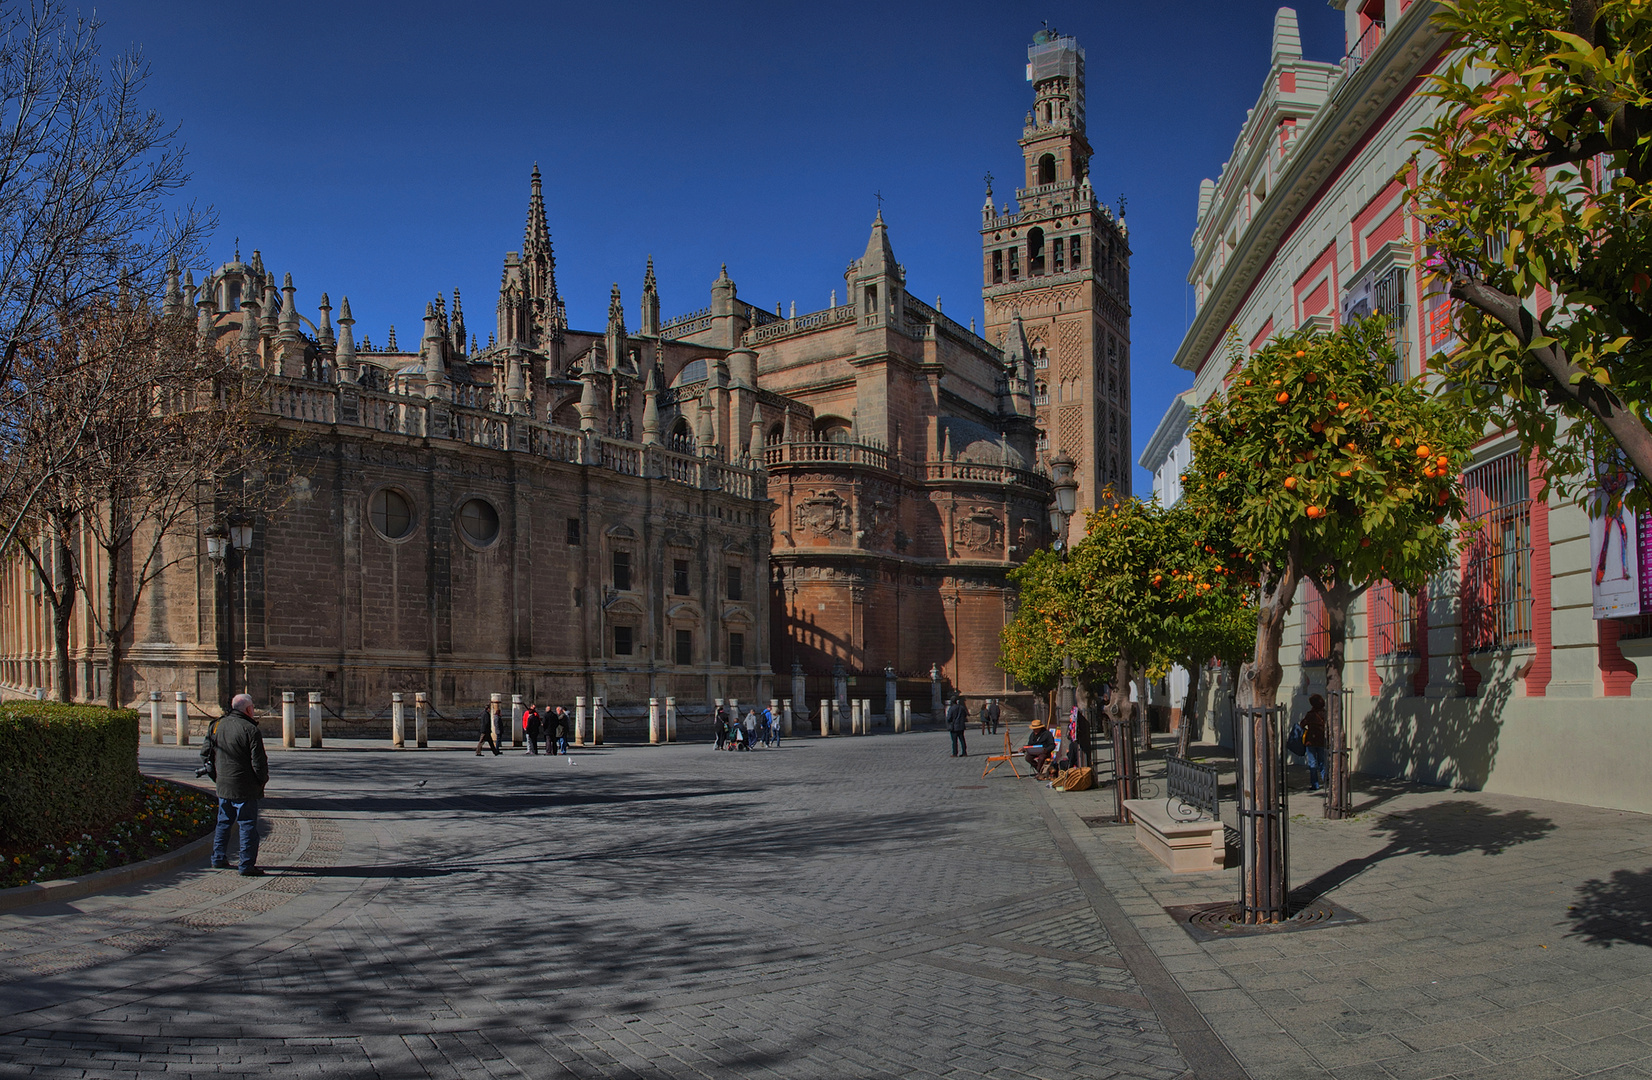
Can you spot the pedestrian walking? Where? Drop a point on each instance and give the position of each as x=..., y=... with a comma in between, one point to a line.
x=559, y=731
x=994, y=715
x=774, y=726
x=1313, y=741
x=485, y=734
x=957, y=720
x=533, y=726
x=751, y=727
x=719, y=726
x=239, y=765
x=765, y=724
x=983, y=718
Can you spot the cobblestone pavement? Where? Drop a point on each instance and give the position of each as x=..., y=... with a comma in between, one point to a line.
x=1506, y=939
x=854, y=907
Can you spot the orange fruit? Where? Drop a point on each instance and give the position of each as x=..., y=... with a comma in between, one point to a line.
x=1341, y=405
x=1422, y=451
x=1300, y=353
x=1314, y=511
x=1282, y=397
x=1316, y=427
x=1441, y=462
x=1290, y=482
x=1311, y=377
x=1345, y=473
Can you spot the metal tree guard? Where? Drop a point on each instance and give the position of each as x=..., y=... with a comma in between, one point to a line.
x=1264, y=855
x=1126, y=777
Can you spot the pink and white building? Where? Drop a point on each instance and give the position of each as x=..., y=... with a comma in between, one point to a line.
x=1498, y=676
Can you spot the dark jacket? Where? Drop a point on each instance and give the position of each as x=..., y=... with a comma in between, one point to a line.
x=994, y=713
x=1040, y=737
x=957, y=716
x=533, y=723
x=243, y=770
x=1313, y=729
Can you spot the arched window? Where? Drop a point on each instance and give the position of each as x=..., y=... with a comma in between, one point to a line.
x=831, y=429
x=1035, y=251
x=1046, y=166
x=681, y=438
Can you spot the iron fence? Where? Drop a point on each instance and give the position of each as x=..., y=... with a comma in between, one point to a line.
x=1264, y=852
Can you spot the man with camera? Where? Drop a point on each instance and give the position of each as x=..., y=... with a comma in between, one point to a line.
x=234, y=757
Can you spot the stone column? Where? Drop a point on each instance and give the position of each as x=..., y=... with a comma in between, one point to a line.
x=799, y=690
x=315, y=718
x=398, y=721
x=155, y=717
x=579, y=721
x=596, y=721
x=181, y=718
x=493, y=716
x=289, y=719
x=421, y=719
x=889, y=715
x=935, y=709
x=655, y=736
x=516, y=719
x=670, y=719
x=786, y=719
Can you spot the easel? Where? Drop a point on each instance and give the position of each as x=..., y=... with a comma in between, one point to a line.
x=996, y=760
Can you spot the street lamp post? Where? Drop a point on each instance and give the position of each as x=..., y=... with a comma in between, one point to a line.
x=227, y=547
x=1062, y=510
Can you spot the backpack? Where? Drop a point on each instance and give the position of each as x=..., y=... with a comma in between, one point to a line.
x=1294, y=742
x=209, y=753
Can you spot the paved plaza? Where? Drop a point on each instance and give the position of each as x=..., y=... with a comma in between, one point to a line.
x=852, y=907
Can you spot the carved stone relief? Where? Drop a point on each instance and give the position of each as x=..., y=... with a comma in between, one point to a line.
x=980, y=530
x=824, y=514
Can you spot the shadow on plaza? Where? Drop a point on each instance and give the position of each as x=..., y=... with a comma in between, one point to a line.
x=401, y=803
x=1442, y=830
x=1614, y=911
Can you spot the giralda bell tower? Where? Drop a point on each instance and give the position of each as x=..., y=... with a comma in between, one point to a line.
x=1057, y=269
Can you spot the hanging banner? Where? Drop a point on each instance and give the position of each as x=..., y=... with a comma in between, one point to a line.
x=1646, y=560
x=1617, y=550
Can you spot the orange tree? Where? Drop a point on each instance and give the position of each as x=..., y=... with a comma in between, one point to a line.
x=1325, y=469
x=1031, y=644
x=1535, y=184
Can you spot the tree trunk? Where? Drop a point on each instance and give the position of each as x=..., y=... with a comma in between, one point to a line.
x=1126, y=782
x=112, y=626
x=1184, y=734
x=61, y=593
x=1339, y=597
x=1263, y=890
x=1144, y=719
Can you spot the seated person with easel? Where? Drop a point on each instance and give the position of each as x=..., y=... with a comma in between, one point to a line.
x=1040, y=748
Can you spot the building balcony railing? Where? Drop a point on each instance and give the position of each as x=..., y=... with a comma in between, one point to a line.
x=351, y=407
x=813, y=454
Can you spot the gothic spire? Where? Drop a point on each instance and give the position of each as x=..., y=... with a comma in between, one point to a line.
x=536, y=241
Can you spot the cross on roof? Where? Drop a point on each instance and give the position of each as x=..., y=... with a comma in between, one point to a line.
x=878, y=195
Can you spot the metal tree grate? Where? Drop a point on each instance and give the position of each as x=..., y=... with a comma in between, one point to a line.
x=1211, y=922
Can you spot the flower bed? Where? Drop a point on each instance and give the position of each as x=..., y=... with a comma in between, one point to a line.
x=166, y=816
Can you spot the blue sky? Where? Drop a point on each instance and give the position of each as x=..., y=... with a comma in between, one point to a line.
x=382, y=151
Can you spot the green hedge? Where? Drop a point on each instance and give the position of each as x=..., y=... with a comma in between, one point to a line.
x=64, y=770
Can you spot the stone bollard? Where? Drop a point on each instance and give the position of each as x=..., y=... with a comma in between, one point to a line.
x=315, y=718
x=655, y=735
x=516, y=719
x=398, y=721
x=670, y=719
x=837, y=717
x=579, y=721
x=825, y=717
x=889, y=690
x=289, y=719
x=774, y=711
x=421, y=719
x=855, y=718
x=155, y=717
x=786, y=719
x=181, y=699
x=493, y=716
x=866, y=716
x=906, y=715
x=596, y=721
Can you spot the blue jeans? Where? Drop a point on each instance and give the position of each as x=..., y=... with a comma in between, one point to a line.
x=229, y=812
x=1314, y=757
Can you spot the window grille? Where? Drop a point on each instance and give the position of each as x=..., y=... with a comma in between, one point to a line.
x=1636, y=626
x=1388, y=299
x=1497, y=578
x=1393, y=621
x=1316, y=631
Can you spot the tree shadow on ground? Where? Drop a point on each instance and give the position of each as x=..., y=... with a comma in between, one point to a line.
x=1616, y=911
x=1442, y=830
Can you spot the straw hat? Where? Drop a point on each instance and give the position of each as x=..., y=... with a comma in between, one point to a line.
x=1037, y=723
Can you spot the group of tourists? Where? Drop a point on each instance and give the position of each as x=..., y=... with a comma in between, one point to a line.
x=734, y=733
x=553, y=727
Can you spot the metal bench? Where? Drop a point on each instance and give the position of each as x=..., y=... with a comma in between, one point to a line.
x=1192, y=789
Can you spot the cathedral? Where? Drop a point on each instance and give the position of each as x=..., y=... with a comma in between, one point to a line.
x=725, y=504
